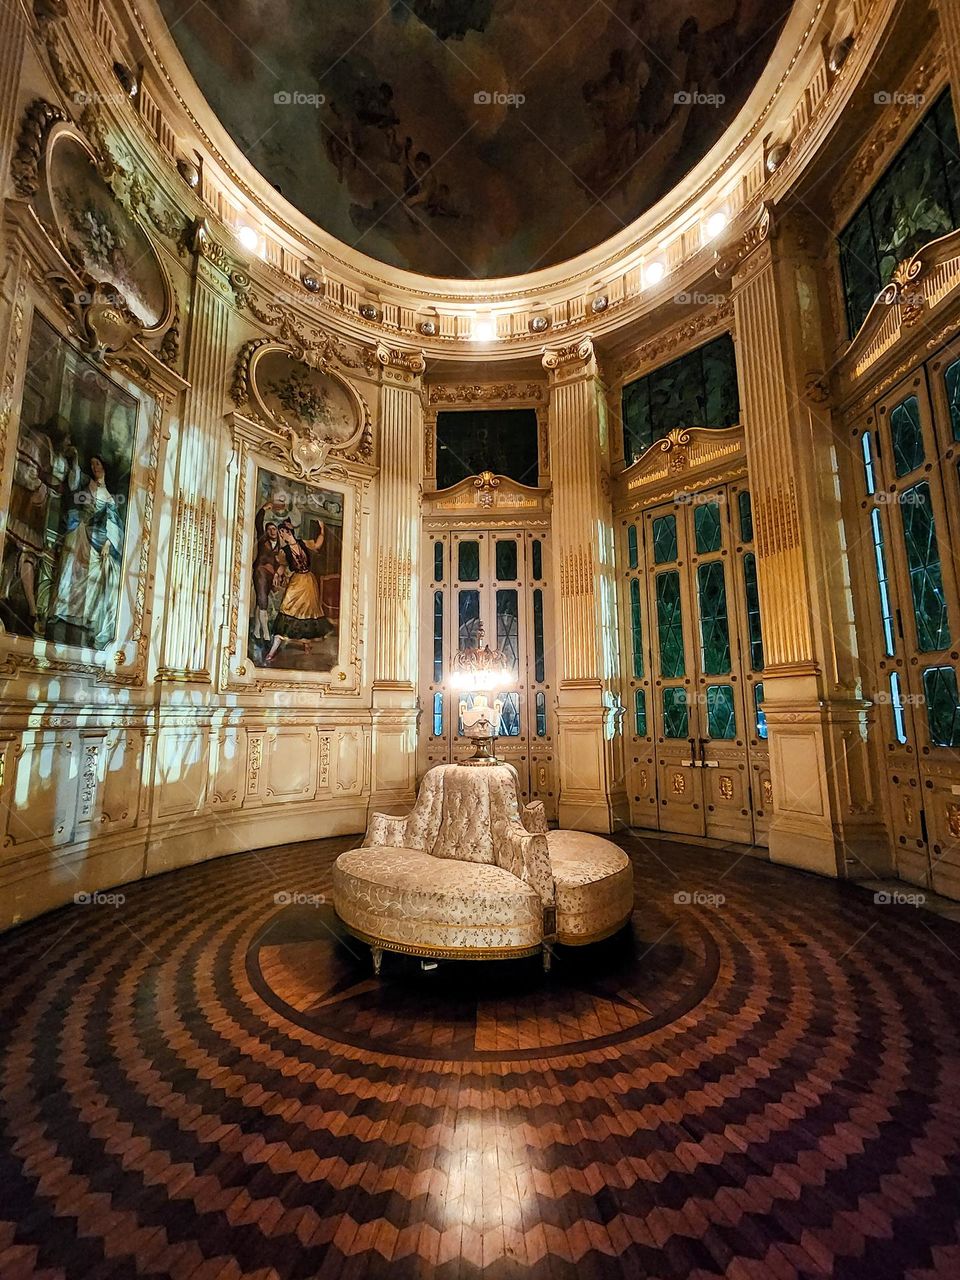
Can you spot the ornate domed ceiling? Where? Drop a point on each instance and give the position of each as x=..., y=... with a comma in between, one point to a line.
x=475, y=138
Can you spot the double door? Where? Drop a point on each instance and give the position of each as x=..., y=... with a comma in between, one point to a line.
x=909, y=447
x=698, y=758
x=490, y=586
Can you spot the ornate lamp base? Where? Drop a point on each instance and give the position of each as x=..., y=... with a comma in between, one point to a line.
x=482, y=753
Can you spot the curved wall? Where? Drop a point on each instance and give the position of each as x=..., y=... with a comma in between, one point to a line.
x=155, y=733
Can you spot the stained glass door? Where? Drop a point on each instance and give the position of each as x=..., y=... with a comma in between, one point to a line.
x=694, y=654
x=490, y=587
x=908, y=465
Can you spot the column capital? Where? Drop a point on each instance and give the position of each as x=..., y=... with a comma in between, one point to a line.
x=401, y=365
x=763, y=228
x=578, y=360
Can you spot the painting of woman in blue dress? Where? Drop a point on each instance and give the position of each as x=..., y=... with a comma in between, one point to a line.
x=87, y=592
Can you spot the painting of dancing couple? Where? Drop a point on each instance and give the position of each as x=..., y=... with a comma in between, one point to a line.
x=297, y=562
x=62, y=559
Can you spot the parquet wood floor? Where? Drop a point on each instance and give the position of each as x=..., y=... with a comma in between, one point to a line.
x=205, y=1081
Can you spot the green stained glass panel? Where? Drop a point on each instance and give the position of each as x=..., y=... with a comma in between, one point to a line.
x=438, y=715
x=636, y=632
x=538, y=670
x=633, y=551
x=706, y=527
x=506, y=559
x=640, y=712
x=537, y=560
x=926, y=577
x=714, y=629
x=437, y=637
x=664, y=539
x=510, y=716
x=745, y=506
x=943, y=706
x=438, y=562
x=468, y=561
x=951, y=378
x=508, y=627
x=915, y=200
x=721, y=715
x=541, y=705
x=883, y=583
x=468, y=619
x=670, y=625
x=676, y=713
x=752, y=592
x=906, y=435
x=762, y=731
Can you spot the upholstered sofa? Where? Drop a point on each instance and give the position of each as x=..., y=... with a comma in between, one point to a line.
x=472, y=873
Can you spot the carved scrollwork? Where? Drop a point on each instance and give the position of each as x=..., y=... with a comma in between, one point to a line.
x=294, y=393
x=576, y=353
x=762, y=230
x=100, y=319
x=39, y=118
x=412, y=362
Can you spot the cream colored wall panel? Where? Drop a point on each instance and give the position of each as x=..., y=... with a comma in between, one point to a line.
x=798, y=773
x=111, y=764
x=350, y=761
x=227, y=767
x=289, y=764
x=43, y=797
x=182, y=773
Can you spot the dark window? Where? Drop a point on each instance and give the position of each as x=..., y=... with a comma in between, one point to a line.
x=500, y=440
x=698, y=390
x=916, y=200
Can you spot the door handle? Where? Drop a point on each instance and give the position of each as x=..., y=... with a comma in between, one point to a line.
x=704, y=762
x=692, y=763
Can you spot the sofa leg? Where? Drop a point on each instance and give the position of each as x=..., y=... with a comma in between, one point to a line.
x=547, y=956
x=377, y=954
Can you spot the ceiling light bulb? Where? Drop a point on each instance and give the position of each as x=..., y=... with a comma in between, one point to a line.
x=654, y=272
x=715, y=224
x=484, y=331
x=248, y=237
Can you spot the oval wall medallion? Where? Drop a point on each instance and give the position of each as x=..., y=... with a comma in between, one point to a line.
x=97, y=234
x=316, y=409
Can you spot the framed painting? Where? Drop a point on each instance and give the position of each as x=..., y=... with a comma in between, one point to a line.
x=68, y=522
x=296, y=575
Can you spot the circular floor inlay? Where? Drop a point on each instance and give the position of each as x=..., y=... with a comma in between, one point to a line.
x=309, y=969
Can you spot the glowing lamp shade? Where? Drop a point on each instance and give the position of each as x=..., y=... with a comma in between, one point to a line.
x=715, y=224
x=654, y=272
x=483, y=331
x=480, y=680
x=248, y=237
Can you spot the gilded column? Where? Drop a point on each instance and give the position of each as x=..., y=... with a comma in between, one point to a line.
x=824, y=809
x=12, y=42
x=589, y=712
x=190, y=595
x=394, y=645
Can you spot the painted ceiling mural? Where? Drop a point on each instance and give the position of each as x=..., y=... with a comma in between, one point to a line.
x=475, y=138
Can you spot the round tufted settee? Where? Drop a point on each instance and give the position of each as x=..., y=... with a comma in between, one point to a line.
x=472, y=873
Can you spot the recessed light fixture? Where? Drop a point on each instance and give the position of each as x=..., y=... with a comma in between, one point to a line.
x=248, y=237
x=483, y=331
x=654, y=272
x=715, y=224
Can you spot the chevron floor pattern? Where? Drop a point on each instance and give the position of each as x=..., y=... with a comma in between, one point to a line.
x=759, y=1079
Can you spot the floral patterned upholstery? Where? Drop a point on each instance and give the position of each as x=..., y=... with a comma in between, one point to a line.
x=594, y=886
x=408, y=897
x=472, y=870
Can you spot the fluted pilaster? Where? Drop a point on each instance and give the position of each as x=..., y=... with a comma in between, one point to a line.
x=186, y=651
x=588, y=707
x=824, y=811
x=394, y=643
